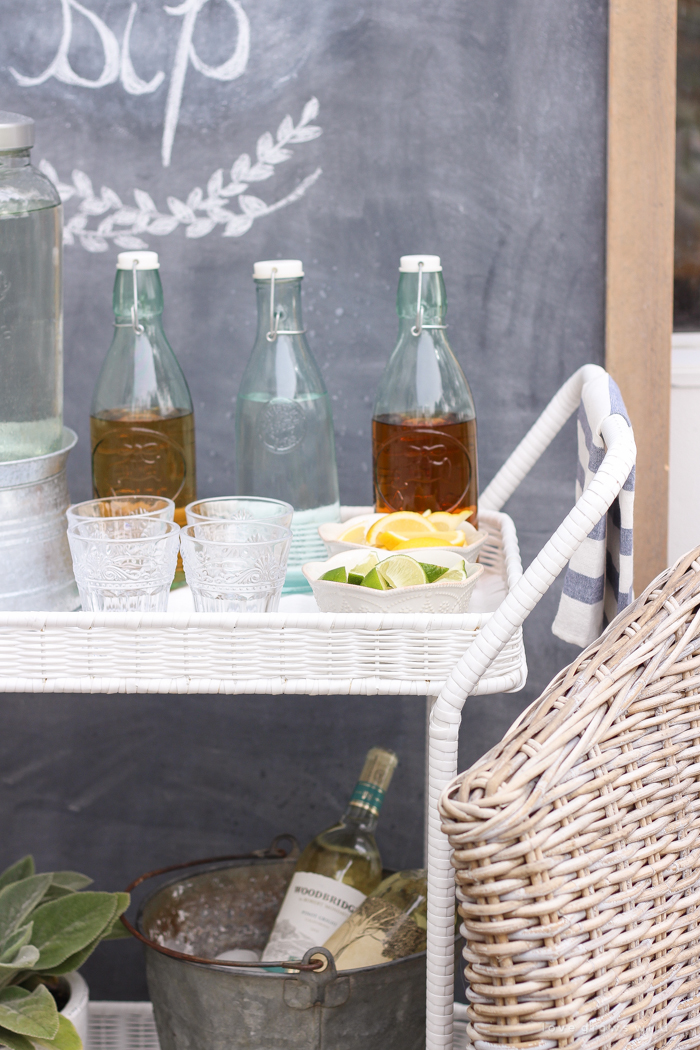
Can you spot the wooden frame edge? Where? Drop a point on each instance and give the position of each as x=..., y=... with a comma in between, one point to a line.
x=639, y=250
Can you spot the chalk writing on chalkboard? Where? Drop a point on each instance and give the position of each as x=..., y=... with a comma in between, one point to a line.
x=117, y=63
x=103, y=218
x=126, y=225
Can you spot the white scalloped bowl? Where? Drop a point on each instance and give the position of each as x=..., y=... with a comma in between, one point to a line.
x=449, y=597
x=330, y=530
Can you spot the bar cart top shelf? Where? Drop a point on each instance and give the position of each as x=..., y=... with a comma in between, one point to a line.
x=284, y=652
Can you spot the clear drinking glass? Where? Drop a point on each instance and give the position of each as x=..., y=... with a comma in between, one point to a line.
x=125, y=564
x=120, y=507
x=235, y=566
x=240, y=508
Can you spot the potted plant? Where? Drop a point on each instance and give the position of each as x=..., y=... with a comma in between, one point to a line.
x=48, y=928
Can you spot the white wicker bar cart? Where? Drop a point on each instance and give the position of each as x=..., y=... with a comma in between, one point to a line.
x=449, y=657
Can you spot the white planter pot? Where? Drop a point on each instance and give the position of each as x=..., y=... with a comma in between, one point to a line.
x=76, y=1009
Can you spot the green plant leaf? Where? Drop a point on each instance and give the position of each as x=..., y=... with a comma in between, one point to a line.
x=117, y=929
x=12, y=943
x=29, y=1013
x=74, y=962
x=18, y=899
x=66, y=926
x=15, y=1041
x=66, y=1038
x=70, y=880
x=25, y=959
x=22, y=869
x=65, y=882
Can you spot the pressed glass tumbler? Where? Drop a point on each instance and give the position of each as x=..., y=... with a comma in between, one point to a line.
x=240, y=508
x=122, y=506
x=235, y=566
x=125, y=564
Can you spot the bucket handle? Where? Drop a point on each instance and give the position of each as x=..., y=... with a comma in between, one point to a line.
x=273, y=851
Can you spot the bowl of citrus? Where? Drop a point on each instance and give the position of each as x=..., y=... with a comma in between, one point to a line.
x=405, y=530
x=361, y=580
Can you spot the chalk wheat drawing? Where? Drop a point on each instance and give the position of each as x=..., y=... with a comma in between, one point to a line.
x=126, y=226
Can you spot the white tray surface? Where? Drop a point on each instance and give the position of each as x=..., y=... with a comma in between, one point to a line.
x=296, y=650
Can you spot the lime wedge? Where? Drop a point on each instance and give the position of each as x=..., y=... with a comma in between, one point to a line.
x=457, y=573
x=373, y=579
x=432, y=572
x=358, y=574
x=337, y=575
x=402, y=571
x=364, y=566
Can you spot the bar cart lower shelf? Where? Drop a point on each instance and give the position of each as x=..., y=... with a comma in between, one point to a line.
x=130, y=1026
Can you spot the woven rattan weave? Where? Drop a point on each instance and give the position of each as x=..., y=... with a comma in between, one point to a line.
x=577, y=844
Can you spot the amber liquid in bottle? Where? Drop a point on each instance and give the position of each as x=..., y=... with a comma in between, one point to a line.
x=425, y=464
x=145, y=453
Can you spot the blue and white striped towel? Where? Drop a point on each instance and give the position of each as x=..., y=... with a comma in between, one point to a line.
x=598, y=582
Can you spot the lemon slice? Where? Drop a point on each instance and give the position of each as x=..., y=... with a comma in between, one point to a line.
x=392, y=541
x=337, y=575
x=374, y=580
x=404, y=521
x=402, y=571
x=446, y=520
x=355, y=534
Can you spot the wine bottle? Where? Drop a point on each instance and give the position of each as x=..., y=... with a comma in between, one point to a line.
x=389, y=924
x=337, y=869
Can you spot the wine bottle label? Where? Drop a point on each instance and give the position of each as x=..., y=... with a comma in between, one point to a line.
x=378, y=932
x=313, y=908
x=368, y=796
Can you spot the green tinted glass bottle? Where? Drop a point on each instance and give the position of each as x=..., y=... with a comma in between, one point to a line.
x=424, y=422
x=142, y=420
x=285, y=447
x=337, y=870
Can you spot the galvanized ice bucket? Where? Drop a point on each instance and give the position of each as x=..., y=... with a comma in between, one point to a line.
x=36, y=571
x=205, y=1007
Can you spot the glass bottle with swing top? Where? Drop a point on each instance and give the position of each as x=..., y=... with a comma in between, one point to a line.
x=285, y=447
x=141, y=419
x=424, y=423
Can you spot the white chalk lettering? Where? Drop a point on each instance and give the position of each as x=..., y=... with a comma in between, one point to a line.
x=61, y=68
x=229, y=70
x=117, y=63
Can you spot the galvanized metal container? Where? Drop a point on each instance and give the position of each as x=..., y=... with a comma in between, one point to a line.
x=36, y=571
x=213, y=1008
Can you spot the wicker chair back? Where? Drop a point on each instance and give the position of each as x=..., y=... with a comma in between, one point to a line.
x=577, y=844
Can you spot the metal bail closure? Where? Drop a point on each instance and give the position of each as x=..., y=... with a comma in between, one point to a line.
x=419, y=326
x=134, y=323
x=275, y=317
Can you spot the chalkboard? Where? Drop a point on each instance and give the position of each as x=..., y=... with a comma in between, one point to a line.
x=218, y=132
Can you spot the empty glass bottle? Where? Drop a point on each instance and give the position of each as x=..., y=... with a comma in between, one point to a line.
x=142, y=420
x=424, y=422
x=284, y=426
x=31, y=308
